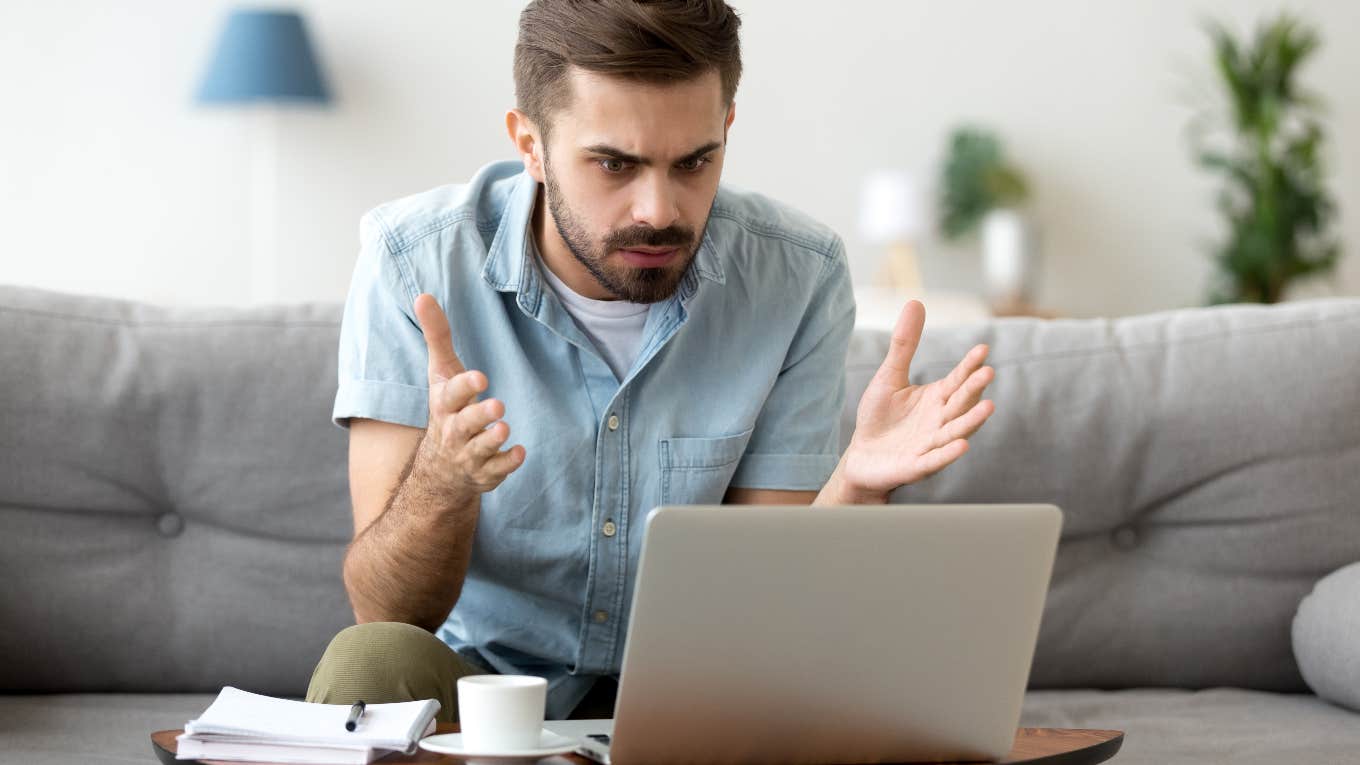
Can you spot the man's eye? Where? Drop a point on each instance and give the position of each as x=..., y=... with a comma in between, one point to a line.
x=612, y=165
x=693, y=165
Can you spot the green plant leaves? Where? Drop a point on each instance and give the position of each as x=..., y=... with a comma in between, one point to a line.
x=976, y=179
x=1273, y=199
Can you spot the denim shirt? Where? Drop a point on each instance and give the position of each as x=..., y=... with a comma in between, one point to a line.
x=739, y=382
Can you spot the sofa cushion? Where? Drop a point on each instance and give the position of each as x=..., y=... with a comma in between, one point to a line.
x=1161, y=726
x=172, y=493
x=1218, y=725
x=175, y=509
x=1208, y=465
x=1326, y=634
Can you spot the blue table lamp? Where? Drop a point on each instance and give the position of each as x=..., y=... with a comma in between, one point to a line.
x=263, y=56
x=263, y=60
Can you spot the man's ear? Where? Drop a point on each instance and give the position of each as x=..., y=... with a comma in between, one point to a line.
x=524, y=135
x=731, y=115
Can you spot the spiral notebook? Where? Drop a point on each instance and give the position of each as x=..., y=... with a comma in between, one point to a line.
x=245, y=726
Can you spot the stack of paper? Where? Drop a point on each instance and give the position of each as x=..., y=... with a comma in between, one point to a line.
x=247, y=726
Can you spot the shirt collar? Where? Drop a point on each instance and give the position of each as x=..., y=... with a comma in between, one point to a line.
x=507, y=267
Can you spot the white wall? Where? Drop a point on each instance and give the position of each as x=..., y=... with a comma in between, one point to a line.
x=112, y=182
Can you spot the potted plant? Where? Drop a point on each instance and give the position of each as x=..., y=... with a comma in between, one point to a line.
x=980, y=189
x=1273, y=200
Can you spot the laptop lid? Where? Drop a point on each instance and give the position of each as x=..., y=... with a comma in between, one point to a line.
x=791, y=634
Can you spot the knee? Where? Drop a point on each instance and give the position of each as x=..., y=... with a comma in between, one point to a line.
x=381, y=641
x=371, y=659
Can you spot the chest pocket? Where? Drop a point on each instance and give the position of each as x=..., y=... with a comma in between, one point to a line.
x=696, y=471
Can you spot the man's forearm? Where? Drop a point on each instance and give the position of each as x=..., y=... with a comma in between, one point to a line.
x=409, y=564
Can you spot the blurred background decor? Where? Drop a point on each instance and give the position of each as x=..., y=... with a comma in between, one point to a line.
x=1267, y=144
x=263, y=61
x=980, y=189
x=101, y=127
x=892, y=217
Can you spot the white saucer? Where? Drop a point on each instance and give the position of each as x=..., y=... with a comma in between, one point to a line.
x=549, y=743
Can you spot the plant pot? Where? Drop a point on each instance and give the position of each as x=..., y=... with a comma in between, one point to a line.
x=1009, y=258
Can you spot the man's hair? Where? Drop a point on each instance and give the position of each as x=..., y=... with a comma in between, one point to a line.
x=656, y=41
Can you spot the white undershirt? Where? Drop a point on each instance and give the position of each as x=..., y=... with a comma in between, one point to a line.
x=614, y=326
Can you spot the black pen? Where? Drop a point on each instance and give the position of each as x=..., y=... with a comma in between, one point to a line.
x=355, y=712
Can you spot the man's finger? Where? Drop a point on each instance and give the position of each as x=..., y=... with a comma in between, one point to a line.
x=444, y=363
x=472, y=420
x=936, y=460
x=506, y=462
x=905, y=337
x=970, y=363
x=965, y=425
x=968, y=393
x=487, y=443
x=457, y=393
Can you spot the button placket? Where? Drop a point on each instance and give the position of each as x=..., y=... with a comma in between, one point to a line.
x=610, y=556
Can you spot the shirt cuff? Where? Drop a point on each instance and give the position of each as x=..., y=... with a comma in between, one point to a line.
x=793, y=472
x=386, y=401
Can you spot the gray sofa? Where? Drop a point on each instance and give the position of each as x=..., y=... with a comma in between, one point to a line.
x=173, y=512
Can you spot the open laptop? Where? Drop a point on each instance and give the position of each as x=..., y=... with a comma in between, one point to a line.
x=786, y=634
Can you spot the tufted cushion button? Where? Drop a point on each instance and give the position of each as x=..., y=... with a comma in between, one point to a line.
x=170, y=524
x=1125, y=537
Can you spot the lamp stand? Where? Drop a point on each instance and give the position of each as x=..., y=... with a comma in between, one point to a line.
x=264, y=204
x=900, y=270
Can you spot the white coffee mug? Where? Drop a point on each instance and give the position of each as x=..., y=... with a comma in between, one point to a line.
x=501, y=713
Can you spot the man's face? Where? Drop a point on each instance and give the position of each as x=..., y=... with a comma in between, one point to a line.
x=630, y=172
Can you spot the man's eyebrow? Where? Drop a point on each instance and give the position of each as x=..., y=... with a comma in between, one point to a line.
x=623, y=156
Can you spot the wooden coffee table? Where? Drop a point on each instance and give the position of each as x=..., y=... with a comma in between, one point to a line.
x=1051, y=746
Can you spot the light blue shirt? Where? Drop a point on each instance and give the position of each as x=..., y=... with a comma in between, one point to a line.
x=739, y=382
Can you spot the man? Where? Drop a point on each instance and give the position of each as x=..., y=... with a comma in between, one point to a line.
x=650, y=337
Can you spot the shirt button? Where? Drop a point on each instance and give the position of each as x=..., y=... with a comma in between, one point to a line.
x=610, y=529
x=601, y=616
x=613, y=422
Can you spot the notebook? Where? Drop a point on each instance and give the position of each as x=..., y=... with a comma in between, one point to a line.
x=240, y=725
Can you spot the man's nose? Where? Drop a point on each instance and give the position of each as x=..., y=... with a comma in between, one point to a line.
x=655, y=202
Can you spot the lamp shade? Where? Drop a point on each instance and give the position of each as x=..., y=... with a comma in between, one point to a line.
x=263, y=56
x=891, y=207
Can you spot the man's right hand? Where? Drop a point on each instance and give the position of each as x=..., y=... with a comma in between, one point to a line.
x=457, y=440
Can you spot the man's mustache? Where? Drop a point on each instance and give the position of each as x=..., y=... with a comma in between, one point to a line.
x=646, y=236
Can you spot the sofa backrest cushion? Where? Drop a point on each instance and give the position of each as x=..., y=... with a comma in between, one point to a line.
x=173, y=495
x=174, y=504
x=1208, y=465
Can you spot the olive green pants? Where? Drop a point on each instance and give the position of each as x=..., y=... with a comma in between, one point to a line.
x=381, y=662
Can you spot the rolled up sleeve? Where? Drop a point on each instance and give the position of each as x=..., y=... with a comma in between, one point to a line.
x=796, y=443
x=382, y=365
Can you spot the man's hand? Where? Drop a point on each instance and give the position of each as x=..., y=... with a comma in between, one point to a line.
x=457, y=440
x=905, y=432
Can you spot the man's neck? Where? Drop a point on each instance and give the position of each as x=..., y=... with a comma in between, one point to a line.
x=557, y=257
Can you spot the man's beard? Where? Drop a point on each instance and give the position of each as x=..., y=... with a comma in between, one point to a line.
x=634, y=284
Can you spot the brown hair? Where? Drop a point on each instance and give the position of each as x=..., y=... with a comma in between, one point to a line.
x=647, y=40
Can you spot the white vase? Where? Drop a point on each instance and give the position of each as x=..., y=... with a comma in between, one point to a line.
x=1009, y=259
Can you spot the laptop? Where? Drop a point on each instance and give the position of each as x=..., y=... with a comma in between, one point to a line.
x=789, y=634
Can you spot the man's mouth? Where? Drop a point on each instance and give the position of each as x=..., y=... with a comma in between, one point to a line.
x=649, y=257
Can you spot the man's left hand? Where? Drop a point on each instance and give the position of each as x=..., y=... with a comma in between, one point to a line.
x=906, y=432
